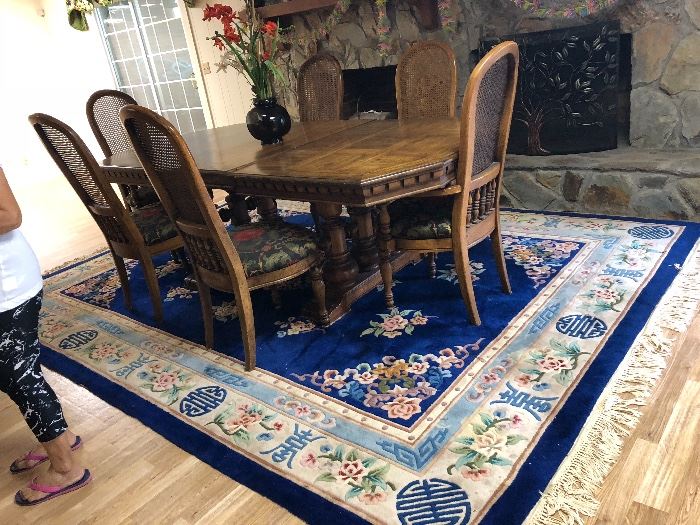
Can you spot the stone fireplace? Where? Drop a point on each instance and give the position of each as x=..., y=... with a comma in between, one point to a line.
x=654, y=172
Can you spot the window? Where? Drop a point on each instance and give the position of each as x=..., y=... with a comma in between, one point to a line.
x=146, y=44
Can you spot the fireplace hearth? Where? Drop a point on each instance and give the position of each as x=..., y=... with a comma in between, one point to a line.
x=369, y=91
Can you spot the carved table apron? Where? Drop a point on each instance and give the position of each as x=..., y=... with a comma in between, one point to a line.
x=357, y=163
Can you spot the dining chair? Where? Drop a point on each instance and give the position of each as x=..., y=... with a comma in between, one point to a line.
x=426, y=87
x=138, y=233
x=320, y=88
x=102, y=110
x=426, y=81
x=458, y=217
x=250, y=256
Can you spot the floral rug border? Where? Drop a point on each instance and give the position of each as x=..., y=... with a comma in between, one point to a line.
x=572, y=494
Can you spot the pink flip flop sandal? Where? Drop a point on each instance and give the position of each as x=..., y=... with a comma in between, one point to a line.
x=51, y=491
x=39, y=458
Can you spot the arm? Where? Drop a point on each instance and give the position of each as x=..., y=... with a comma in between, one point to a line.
x=10, y=214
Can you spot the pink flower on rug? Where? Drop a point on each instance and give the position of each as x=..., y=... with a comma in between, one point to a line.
x=365, y=378
x=391, y=335
x=103, y=351
x=372, y=498
x=523, y=380
x=490, y=378
x=607, y=296
x=402, y=408
x=395, y=322
x=419, y=368
x=351, y=470
x=516, y=421
x=489, y=442
x=244, y=420
x=278, y=425
x=165, y=381
x=419, y=320
x=244, y=407
x=447, y=358
x=157, y=368
x=474, y=474
x=333, y=378
x=309, y=460
x=302, y=410
x=554, y=363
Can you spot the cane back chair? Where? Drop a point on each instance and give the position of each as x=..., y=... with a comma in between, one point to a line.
x=131, y=234
x=251, y=256
x=426, y=87
x=426, y=81
x=102, y=110
x=460, y=216
x=320, y=88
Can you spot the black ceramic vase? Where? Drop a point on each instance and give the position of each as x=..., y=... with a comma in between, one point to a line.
x=268, y=121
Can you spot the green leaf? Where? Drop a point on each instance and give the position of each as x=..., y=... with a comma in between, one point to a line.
x=404, y=313
x=338, y=453
x=478, y=429
x=465, y=440
x=515, y=438
x=353, y=493
x=368, y=462
x=530, y=371
x=564, y=377
x=351, y=456
x=497, y=460
x=409, y=329
x=486, y=419
x=379, y=472
x=326, y=476
x=367, y=331
x=460, y=450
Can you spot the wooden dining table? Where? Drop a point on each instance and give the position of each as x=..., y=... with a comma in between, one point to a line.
x=354, y=163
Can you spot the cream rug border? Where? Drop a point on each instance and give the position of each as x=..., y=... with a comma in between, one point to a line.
x=571, y=496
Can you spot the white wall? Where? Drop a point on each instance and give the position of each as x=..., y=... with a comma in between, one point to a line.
x=45, y=66
x=228, y=94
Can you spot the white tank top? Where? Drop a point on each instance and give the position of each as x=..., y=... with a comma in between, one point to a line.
x=20, y=275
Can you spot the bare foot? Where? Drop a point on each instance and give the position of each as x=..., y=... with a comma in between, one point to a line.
x=39, y=450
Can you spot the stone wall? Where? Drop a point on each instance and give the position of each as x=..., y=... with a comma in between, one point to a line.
x=665, y=99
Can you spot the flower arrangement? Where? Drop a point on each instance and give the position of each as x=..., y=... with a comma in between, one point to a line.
x=79, y=9
x=251, y=45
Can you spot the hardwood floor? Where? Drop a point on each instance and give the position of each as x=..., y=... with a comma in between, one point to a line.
x=142, y=478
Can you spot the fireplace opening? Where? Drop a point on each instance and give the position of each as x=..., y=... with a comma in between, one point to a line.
x=369, y=93
x=573, y=92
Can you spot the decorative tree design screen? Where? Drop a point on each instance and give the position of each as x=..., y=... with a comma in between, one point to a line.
x=567, y=90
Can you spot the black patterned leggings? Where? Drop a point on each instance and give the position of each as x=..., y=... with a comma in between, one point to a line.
x=20, y=375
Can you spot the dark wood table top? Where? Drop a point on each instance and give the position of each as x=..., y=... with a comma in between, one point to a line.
x=357, y=162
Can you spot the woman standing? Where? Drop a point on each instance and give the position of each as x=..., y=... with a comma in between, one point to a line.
x=20, y=374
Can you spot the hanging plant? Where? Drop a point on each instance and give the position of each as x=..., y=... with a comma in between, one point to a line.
x=570, y=9
x=448, y=21
x=79, y=9
x=383, y=28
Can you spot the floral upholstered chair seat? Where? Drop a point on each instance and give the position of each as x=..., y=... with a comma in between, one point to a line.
x=154, y=224
x=264, y=248
x=419, y=219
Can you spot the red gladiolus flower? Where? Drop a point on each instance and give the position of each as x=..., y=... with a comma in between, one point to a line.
x=266, y=55
x=269, y=27
x=231, y=34
x=217, y=11
x=218, y=43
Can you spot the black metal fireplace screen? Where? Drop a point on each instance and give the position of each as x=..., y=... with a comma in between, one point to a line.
x=570, y=90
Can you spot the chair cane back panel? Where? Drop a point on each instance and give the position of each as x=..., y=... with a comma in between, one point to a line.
x=103, y=114
x=80, y=168
x=184, y=196
x=426, y=81
x=320, y=89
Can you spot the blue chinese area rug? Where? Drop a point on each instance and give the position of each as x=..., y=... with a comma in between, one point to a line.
x=404, y=416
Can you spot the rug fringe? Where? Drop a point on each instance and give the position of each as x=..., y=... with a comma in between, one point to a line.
x=571, y=496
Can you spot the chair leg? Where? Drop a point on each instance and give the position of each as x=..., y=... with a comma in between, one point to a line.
x=500, y=259
x=319, y=289
x=149, y=272
x=207, y=313
x=466, y=286
x=245, y=317
x=124, y=280
x=384, y=255
x=432, y=264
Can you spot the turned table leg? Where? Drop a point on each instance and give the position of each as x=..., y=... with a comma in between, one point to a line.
x=365, y=245
x=340, y=271
x=385, y=255
x=238, y=209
